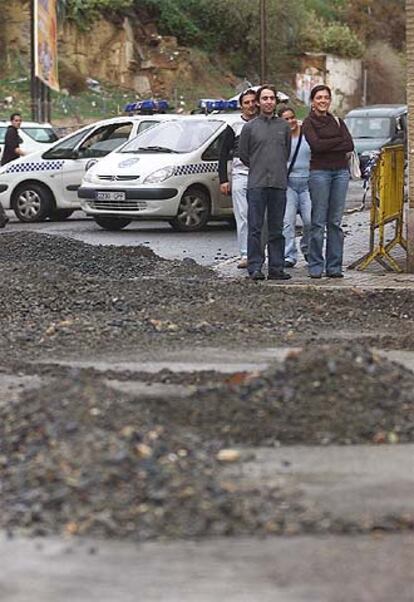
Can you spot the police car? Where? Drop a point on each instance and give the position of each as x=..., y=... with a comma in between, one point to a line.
x=35, y=136
x=169, y=173
x=45, y=184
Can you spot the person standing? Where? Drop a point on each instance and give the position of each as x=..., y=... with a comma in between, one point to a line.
x=330, y=141
x=11, y=151
x=297, y=195
x=265, y=148
x=12, y=140
x=239, y=171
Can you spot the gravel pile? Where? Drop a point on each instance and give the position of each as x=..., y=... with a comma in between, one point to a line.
x=322, y=395
x=62, y=298
x=78, y=458
x=113, y=262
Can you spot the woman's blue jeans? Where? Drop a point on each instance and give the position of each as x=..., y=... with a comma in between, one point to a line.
x=328, y=189
x=297, y=201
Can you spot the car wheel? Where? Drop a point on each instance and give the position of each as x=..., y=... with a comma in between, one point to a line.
x=32, y=202
x=112, y=223
x=59, y=215
x=193, y=212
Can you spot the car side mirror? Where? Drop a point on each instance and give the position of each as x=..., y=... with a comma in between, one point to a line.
x=74, y=154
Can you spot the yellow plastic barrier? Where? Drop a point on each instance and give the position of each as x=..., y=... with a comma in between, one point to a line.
x=387, y=194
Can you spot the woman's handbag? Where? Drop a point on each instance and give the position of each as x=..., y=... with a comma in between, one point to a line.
x=353, y=160
x=354, y=167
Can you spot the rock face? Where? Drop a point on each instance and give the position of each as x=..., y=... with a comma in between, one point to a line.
x=127, y=53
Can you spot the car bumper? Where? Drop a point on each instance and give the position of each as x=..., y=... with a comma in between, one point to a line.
x=138, y=202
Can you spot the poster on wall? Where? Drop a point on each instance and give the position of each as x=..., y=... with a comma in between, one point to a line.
x=45, y=42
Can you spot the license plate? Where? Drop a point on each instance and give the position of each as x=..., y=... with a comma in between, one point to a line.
x=110, y=196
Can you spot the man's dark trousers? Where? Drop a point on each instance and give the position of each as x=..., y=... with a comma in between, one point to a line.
x=260, y=201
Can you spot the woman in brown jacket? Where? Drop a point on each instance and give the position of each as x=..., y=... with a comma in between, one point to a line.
x=330, y=141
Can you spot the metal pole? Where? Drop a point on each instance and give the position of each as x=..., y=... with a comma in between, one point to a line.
x=263, y=42
x=365, y=87
x=33, y=86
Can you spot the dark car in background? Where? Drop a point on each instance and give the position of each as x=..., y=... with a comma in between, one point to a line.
x=375, y=126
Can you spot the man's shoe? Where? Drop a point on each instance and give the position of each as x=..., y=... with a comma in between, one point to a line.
x=279, y=276
x=315, y=275
x=257, y=275
x=242, y=265
x=290, y=264
x=4, y=222
x=335, y=275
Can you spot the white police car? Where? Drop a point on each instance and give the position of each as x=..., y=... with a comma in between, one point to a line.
x=45, y=184
x=170, y=173
x=35, y=136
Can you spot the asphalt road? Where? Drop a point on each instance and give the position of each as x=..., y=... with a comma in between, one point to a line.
x=216, y=244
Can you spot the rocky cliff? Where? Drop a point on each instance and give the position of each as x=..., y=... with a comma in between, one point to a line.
x=128, y=53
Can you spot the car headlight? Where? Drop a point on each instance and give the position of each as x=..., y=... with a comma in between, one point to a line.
x=159, y=176
x=90, y=177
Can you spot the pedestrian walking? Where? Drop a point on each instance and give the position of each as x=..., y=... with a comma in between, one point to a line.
x=298, y=199
x=330, y=141
x=12, y=140
x=264, y=147
x=239, y=171
x=11, y=151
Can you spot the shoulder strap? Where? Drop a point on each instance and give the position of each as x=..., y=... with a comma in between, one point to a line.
x=295, y=154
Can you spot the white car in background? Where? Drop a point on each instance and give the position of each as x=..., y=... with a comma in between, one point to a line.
x=169, y=173
x=35, y=136
x=45, y=184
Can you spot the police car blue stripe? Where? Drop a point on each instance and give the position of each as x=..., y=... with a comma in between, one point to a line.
x=37, y=166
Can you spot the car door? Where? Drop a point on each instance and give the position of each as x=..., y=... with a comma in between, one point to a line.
x=96, y=144
x=211, y=155
x=3, y=129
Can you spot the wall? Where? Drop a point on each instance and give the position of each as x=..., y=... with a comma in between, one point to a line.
x=343, y=76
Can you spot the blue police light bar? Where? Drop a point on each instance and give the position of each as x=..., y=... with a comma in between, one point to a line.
x=210, y=104
x=147, y=106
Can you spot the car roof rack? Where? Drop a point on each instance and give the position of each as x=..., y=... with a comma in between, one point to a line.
x=147, y=107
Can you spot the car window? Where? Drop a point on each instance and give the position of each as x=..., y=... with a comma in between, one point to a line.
x=212, y=152
x=64, y=149
x=2, y=134
x=40, y=134
x=145, y=125
x=179, y=136
x=369, y=127
x=104, y=140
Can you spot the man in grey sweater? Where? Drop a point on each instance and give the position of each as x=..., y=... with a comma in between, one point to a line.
x=265, y=148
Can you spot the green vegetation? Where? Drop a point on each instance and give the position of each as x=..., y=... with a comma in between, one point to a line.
x=85, y=106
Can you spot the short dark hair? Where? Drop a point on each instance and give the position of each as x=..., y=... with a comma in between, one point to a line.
x=283, y=110
x=320, y=88
x=247, y=92
x=13, y=115
x=265, y=87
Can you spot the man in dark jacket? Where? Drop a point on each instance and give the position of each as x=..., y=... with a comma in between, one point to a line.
x=239, y=171
x=265, y=148
x=12, y=140
x=11, y=151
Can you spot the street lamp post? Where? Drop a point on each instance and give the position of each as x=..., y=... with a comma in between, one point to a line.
x=263, y=42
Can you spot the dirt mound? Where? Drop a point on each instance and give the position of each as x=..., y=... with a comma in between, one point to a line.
x=117, y=263
x=78, y=458
x=323, y=395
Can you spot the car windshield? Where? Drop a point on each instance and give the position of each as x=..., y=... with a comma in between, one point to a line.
x=41, y=134
x=369, y=127
x=173, y=137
